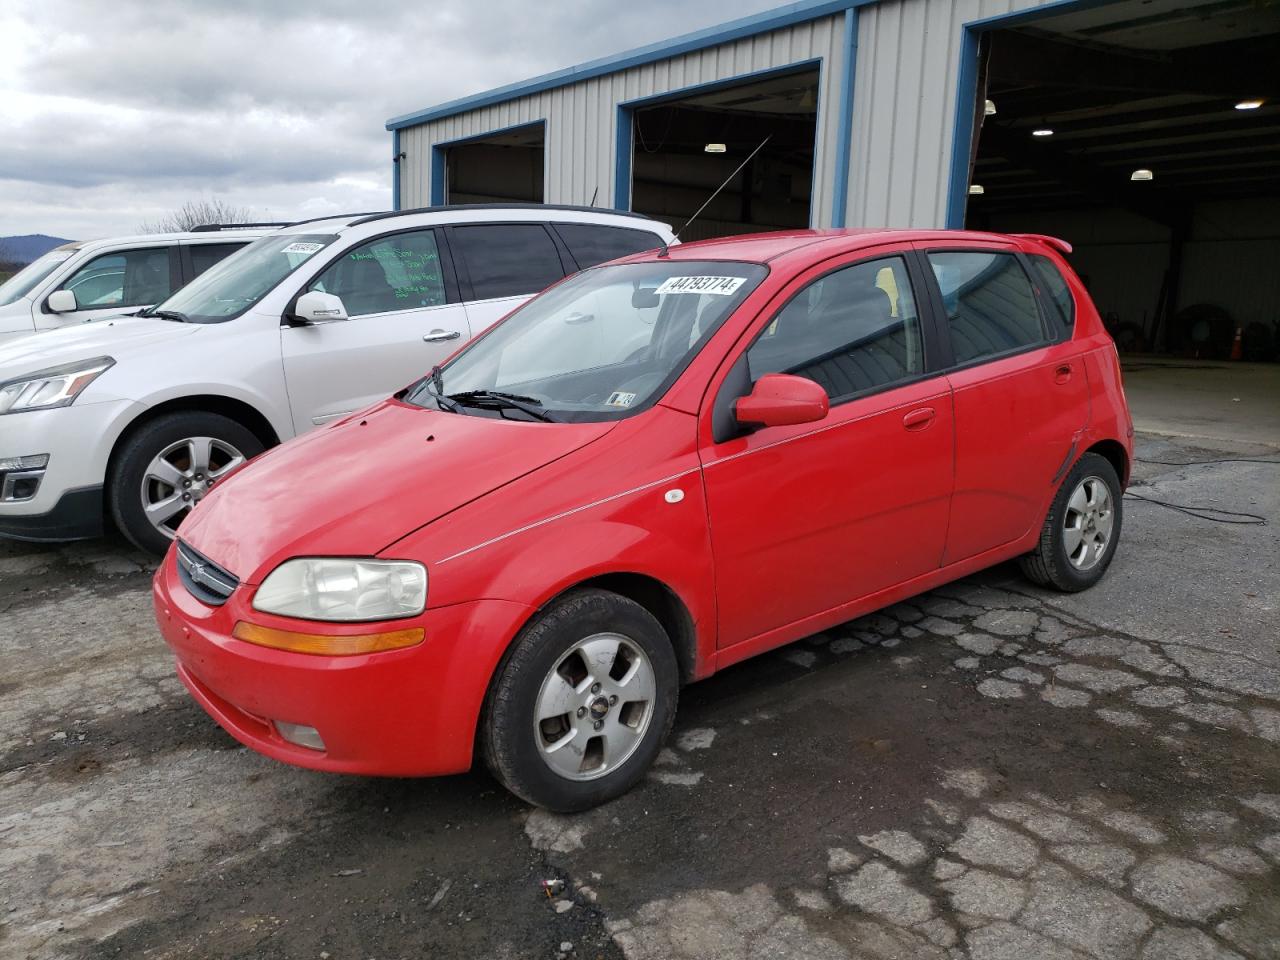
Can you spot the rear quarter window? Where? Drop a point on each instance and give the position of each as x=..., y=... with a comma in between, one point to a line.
x=1062, y=305
x=593, y=243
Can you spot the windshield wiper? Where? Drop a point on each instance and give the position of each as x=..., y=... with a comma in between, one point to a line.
x=497, y=400
x=170, y=315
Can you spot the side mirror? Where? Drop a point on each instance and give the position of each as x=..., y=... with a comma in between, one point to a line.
x=779, y=400
x=317, y=307
x=62, y=301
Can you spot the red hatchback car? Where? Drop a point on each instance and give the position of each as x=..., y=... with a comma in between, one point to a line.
x=653, y=470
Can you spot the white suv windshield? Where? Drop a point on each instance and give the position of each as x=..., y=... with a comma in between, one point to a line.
x=232, y=286
x=30, y=276
x=600, y=346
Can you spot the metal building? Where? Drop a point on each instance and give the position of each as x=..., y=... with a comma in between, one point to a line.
x=1139, y=127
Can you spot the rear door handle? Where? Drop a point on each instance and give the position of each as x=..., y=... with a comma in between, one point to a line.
x=1063, y=373
x=439, y=336
x=918, y=419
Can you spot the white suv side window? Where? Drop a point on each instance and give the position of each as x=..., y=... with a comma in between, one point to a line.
x=127, y=278
x=399, y=272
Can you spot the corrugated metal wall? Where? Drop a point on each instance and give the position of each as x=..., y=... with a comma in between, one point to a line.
x=904, y=107
x=904, y=102
x=582, y=117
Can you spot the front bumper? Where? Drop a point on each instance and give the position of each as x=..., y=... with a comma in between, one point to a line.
x=76, y=516
x=409, y=712
x=78, y=440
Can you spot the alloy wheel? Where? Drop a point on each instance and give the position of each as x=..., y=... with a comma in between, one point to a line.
x=179, y=476
x=1087, y=525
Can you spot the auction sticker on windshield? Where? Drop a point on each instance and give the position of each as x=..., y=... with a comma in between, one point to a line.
x=720, y=286
x=302, y=247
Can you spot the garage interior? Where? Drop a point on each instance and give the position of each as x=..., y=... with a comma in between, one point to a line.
x=683, y=149
x=506, y=167
x=1148, y=135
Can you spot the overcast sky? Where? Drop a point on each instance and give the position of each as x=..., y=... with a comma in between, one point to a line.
x=115, y=113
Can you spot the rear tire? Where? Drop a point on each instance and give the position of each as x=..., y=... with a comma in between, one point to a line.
x=582, y=703
x=1081, y=532
x=200, y=447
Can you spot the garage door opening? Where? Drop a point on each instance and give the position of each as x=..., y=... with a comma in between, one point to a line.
x=1148, y=135
x=502, y=168
x=683, y=149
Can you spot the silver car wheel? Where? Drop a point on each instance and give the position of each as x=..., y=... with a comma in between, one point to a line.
x=594, y=707
x=1087, y=526
x=179, y=476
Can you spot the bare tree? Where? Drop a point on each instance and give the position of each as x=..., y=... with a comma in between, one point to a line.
x=195, y=212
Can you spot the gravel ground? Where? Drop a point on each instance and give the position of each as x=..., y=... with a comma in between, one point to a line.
x=988, y=771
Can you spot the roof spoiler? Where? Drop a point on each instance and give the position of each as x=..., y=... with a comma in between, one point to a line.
x=1056, y=242
x=215, y=227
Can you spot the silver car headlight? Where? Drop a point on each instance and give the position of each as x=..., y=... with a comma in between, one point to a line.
x=344, y=589
x=56, y=387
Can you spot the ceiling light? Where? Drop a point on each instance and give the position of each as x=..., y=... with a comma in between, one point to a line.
x=1248, y=104
x=990, y=109
x=714, y=148
x=1042, y=132
x=976, y=189
x=1142, y=174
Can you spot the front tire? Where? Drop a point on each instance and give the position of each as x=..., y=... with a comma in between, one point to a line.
x=166, y=466
x=1081, y=532
x=582, y=702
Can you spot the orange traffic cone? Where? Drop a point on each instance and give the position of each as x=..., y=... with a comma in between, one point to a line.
x=1237, y=345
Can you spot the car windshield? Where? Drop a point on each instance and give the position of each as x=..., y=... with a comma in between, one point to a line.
x=232, y=286
x=30, y=276
x=600, y=346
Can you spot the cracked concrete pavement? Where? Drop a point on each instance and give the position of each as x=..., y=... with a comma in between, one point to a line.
x=987, y=771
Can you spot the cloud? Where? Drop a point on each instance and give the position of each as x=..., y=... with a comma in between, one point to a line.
x=116, y=112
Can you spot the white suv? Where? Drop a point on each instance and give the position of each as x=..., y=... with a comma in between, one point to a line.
x=92, y=279
x=136, y=417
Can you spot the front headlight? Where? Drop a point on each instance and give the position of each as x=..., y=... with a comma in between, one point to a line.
x=56, y=387
x=344, y=589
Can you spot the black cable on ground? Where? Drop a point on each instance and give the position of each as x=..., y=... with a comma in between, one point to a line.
x=1204, y=513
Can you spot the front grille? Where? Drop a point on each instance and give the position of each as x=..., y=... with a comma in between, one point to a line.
x=204, y=579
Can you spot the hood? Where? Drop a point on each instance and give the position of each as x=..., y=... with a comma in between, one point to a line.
x=359, y=485
x=114, y=337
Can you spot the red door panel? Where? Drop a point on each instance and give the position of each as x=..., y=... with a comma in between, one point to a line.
x=1017, y=420
x=808, y=517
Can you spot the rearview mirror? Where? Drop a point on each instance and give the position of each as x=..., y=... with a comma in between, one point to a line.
x=317, y=307
x=779, y=400
x=644, y=298
x=62, y=301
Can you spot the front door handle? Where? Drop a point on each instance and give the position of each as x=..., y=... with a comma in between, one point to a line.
x=919, y=419
x=439, y=336
x=1063, y=373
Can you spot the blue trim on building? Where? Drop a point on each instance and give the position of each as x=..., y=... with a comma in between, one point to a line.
x=438, y=159
x=395, y=169
x=844, y=128
x=967, y=91
x=786, y=16
x=626, y=110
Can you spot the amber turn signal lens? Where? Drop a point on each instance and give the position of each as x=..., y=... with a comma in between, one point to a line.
x=326, y=644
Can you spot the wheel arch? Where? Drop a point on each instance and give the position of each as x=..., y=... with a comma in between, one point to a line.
x=1115, y=454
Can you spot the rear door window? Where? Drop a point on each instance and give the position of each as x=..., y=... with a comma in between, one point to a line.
x=1061, y=302
x=989, y=301
x=506, y=259
x=593, y=243
x=205, y=255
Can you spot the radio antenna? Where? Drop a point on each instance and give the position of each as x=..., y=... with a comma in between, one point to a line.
x=664, y=251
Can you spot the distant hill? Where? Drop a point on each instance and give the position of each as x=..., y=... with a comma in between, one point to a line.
x=28, y=247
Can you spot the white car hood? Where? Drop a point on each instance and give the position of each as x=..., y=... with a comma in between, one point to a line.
x=118, y=337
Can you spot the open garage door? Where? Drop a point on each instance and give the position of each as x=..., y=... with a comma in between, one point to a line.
x=1146, y=133
x=505, y=167
x=683, y=149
